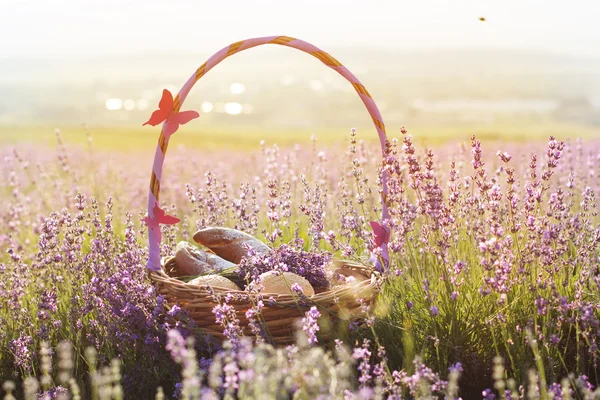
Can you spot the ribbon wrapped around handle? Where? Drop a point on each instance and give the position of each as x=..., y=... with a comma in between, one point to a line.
x=170, y=115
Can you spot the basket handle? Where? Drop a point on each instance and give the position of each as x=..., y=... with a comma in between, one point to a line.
x=381, y=230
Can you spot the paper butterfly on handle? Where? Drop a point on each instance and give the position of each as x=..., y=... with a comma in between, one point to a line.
x=160, y=217
x=382, y=237
x=166, y=113
x=382, y=234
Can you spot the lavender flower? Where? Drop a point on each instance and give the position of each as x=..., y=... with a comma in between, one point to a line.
x=310, y=324
x=309, y=265
x=495, y=243
x=20, y=348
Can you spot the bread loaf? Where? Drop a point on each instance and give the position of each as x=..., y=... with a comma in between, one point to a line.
x=229, y=244
x=190, y=260
x=281, y=284
x=214, y=281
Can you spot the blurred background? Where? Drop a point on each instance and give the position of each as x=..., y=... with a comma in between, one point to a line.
x=518, y=69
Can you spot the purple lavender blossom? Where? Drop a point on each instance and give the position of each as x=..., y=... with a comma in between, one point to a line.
x=21, y=350
x=309, y=265
x=310, y=324
x=505, y=242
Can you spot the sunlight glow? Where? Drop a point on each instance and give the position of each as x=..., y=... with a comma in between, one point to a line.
x=206, y=107
x=113, y=104
x=233, y=108
x=129, y=104
x=237, y=88
x=142, y=104
x=551, y=25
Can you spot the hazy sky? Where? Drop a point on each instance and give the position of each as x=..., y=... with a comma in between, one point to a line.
x=71, y=27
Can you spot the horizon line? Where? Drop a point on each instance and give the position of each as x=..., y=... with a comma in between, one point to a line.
x=343, y=48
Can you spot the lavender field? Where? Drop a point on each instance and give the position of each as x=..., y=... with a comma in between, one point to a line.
x=493, y=288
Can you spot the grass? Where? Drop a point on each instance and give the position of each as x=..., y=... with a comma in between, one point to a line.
x=132, y=138
x=47, y=242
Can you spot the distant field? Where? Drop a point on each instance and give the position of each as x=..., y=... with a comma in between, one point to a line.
x=239, y=138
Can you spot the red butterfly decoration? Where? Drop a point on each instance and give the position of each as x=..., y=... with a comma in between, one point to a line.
x=382, y=234
x=165, y=112
x=160, y=217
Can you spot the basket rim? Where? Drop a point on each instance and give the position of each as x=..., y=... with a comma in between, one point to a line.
x=344, y=302
x=373, y=278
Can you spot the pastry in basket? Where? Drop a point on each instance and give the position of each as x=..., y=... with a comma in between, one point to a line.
x=214, y=281
x=233, y=259
x=230, y=244
x=289, y=281
x=283, y=283
x=190, y=260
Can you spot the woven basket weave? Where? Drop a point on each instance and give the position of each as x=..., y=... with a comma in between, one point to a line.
x=279, y=316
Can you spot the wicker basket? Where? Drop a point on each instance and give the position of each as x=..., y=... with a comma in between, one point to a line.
x=278, y=316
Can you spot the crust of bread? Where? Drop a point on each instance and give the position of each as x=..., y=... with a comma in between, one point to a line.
x=229, y=244
x=214, y=281
x=281, y=284
x=190, y=260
